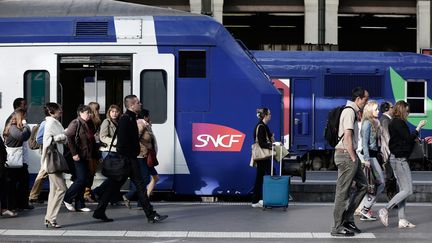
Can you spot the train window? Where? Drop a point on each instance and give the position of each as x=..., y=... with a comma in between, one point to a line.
x=192, y=64
x=36, y=92
x=154, y=94
x=347, y=82
x=416, y=96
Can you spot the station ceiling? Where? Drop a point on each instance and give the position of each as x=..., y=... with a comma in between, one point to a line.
x=369, y=25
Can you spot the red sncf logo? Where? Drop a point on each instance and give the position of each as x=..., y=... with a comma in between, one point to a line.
x=212, y=137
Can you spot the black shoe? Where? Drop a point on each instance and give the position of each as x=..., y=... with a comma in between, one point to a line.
x=157, y=218
x=352, y=227
x=40, y=201
x=29, y=207
x=342, y=232
x=102, y=217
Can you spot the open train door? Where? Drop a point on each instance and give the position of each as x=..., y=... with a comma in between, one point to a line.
x=154, y=74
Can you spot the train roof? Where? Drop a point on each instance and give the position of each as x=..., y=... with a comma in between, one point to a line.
x=56, y=8
x=338, y=58
x=49, y=21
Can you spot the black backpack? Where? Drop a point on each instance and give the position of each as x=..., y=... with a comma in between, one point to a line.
x=331, y=132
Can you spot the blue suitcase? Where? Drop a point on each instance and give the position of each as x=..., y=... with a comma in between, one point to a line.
x=276, y=189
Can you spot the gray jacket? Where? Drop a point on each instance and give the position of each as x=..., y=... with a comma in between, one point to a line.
x=17, y=137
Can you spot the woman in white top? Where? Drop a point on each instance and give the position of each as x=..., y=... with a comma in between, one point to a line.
x=53, y=131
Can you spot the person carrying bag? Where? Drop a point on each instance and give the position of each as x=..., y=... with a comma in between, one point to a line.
x=115, y=167
x=55, y=160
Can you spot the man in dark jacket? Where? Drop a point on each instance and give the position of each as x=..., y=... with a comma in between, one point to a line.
x=128, y=148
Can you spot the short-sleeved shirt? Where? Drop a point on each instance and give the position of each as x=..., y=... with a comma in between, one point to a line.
x=348, y=121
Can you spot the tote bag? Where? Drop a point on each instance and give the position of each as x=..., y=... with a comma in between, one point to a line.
x=417, y=152
x=259, y=153
x=56, y=162
x=14, y=157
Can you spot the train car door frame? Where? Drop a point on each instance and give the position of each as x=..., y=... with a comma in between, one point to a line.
x=162, y=66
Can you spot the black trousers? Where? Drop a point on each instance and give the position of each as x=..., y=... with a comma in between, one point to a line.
x=15, y=188
x=114, y=186
x=263, y=168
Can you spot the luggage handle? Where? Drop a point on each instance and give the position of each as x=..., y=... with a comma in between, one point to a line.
x=280, y=159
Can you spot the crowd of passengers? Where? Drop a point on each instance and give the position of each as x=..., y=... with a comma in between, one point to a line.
x=85, y=142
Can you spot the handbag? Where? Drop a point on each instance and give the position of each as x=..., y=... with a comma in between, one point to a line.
x=115, y=167
x=151, y=158
x=259, y=153
x=56, y=162
x=417, y=151
x=370, y=177
x=14, y=157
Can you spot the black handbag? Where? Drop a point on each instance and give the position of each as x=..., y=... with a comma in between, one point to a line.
x=371, y=188
x=417, y=151
x=114, y=166
x=56, y=162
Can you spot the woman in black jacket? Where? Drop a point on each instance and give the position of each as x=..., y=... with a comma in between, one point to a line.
x=265, y=139
x=401, y=144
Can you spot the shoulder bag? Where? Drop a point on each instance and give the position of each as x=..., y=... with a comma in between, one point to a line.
x=417, y=151
x=14, y=157
x=115, y=167
x=56, y=162
x=259, y=153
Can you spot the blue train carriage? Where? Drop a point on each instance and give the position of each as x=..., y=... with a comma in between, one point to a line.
x=201, y=88
x=315, y=82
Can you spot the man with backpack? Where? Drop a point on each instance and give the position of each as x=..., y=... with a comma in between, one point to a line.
x=42, y=174
x=349, y=166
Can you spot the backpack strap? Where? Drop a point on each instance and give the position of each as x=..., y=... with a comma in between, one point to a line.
x=355, y=118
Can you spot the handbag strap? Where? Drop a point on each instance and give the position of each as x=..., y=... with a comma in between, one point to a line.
x=256, y=133
x=112, y=141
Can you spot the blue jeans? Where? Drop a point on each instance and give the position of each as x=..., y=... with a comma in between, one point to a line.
x=142, y=163
x=402, y=173
x=76, y=190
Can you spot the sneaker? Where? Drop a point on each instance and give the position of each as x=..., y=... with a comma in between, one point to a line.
x=257, y=205
x=8, y=213
x=383, y=215
x=84, y=209
x=69, y=207
x=366, y=215
x=126, y=202
x=403, y=223
x=364, y=218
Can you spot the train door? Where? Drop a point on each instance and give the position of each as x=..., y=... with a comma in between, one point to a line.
x=155, y=89
x=302, y=113
x=85, y=78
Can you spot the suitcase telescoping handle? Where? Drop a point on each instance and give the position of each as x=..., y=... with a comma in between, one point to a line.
x=280, y=158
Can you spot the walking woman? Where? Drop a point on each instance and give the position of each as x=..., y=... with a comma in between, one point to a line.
x=15, y=134
x=401, y=144
x=370, y=134
x=265, y=139
x=107, y=130
x=81, y=143
x=53, y=133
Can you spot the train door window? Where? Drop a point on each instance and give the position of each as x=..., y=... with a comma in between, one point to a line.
x=416, y=96
x=154, y=94
x=192, y=64
x=36, y=93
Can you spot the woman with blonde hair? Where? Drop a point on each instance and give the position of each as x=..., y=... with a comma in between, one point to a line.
x=401, y=145
x=370, y=135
